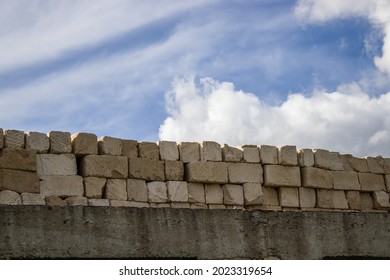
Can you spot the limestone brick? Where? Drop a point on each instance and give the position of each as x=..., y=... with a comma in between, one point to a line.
x=198, y=206
x=160, y=205
x=137, y=204
x=358, y=164
x=231, y=154
x=18, y=159
x=327, y=160
x=177, y=191
x=37, y=141
x=168, y=150
x=116, y=189
x=345, y=180
x=94, y=187
x=180, y=205
x=281, y=176
x=8, y=197
x=307, y=197
x=336, y=162
x=339, y=200
x=375, y=165
x=213, y=194
x=148, y=150
x=210, y=151
x=109, y=146
x=19, y=181
x=60, y=142
x=387, y=179
x=174, y=170
x=270, y=196
x=56, y=164
x=235, y=207
x=76, y=201
x=206, y=172
x=245, y=173
x=372, y=182
x=14, y=139
x=119, y=203
x=366, y=202
x=353, y=199
x=1, y=138
x=347, y=166
x=331, y=199
x=251, y=153
x=287, y=155
x=313, y=177
x=55, y=201
x=288, y=197
x=84, y=144
x=386, y=165
x=104, y=166
x=216, y=206
x=98, y=202
x=129, y=148
x=268, y=154
x=306, y=158
x=196, y=193
x=61, y=186
x=137, y=190
x=33, y=199
x=381, y=200
x=189, y=151
x=233, y=194
x=253, y=194
x=157, y=192
x=146, y=169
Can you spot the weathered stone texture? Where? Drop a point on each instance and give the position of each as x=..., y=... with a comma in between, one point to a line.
x=174, y=170
x=196, y=193
x=307, y=198
x=55, y=201
x=37, y=141
x=306, y=158
x=198, y=206
x=353, y=199
x=77, y=201
x=213, y=194
x=381, y=200
x=253, y=194
x=281, y=176
x=160, y=205
x=245, y=173
x=270, y=196
x=116, y=189
x=129, y=148
x=316, y=178
x=14, y=139
x=345, y=180
x=148, y=150
x=94, y=187
x=157, y=192
x=375, y=165
x=339, y=200
x=56, y=164
x=177, y=191
x=180, y=205
x=206, y=172
x=372, y=182
x=251, y=153
x=137, y=190
x=210, y=151
x=366, y=202
x=268, y=154
x=1, y=138
x=231, y=154
x=331, y=199
x=327, y=160
x=84, y=144
x=104, y=166
x=19, y=181
x=146, y=169
x=233, y=194
x=387, y=180
x=33, y=199
x=8, y=197
x=109, y=146
x=168, y=150
x=189, y=151
x=98, y=202
x=18, y=159
x=287, y=155
x=358, y=164
x=288, y=197
x=61, y=186
x=60, y=142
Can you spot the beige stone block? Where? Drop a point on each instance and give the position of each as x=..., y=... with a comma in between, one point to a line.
x=119, y=203
x=94, y=187
x=60, y=142
x=213, y=194
x=387, y=180
x=180, y=205
x=366, y=202
x=19, y=181
x=56, y=164
x=189, y=151
x=33, y=199
x=18, y=159
x=358, y=164
x=61, y=186
x=116, y=189
x=327, y=160
x=270, y=196
x=288, y=197
x=146, y=169
x=386, y=165
x=381, y=200
x=210, y=151
x=1, y=138
x=245, y=173
x=233, y=194
x=339, y=200
x=235, y=207
x=324, y=199
x=177, y=191
x=76, y=201
x=268, y=154
x=305, y=158
x=168, y=150
x=37, y=141
x=109, y=146
x=206, y=172
x=157, y=192
x=8, y=197
x=104, y=166
x=137, y=190
x=345, y=180
x=196, y=193
x=174, y=170
x=98, y=202
x=148, y=150
x=160, y=205
x=353, y=199
x=347, y=166
x=13, y=139
x=84, y=144
x=375, y=165
x=282, y=176
x=263, y=207
x=129, y=148
x=198, y=206
x=336, y=162
x=216, y=206
x=287, y=155
x=55, y=201
x=253, y=194
x=372, y=182
x=137, y=204
x=316, y=178
x=231, y=154
x=307, y=198
x=251, y=153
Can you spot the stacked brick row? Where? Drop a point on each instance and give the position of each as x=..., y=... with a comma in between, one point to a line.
x=61, y=169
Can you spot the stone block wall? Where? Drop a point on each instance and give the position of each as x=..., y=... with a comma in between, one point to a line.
x=60, y=169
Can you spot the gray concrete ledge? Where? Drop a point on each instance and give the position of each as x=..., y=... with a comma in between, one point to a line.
x=42, y=232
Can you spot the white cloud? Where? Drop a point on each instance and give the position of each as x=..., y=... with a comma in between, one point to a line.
x=348, y=122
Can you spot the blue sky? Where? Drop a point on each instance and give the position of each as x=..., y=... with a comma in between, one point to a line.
x=309, y=73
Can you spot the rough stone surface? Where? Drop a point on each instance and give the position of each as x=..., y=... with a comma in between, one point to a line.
x=146, y=169
x=116, y=189
x=196, y=193
x=1, y=138
x=98, y=202
x=14, y=139
x=210, y=151
x=198, y=206
x=19, y=181
x=358, y=164
x=331, y=199
x=233, y=194
x=8, y=197
x=287, y=155
x=148, y=150
x=109, y=146
x=387, y=179
x=174, y=170
x=54, y=164
x=253, y=194
x=37, y=141
x=345, y=180
x=353, y=199
x=339, y=200
x=366, y=202
x=281, y=176
x=182, y=205
x=157, y=192
x=270, y=196
x=137, y=190
x=316, y=178
x=231, y=154
x=177, y=191
x=120, y=203
x=138, y=204
x=60, y=142
x=160, y=205
x=168, y=150
x=216, y=206
x=251, y=153
x=61, y=186
x=55, y=201
x=268, y=154
x=372, y=182
x=386, y=165
x=206, y=172
x=33, y=199
x=327, y=160
x=104, y=166
x=77, y=201
x=84, y=144
x=347, y=166
x=307, y=197
x=94, y=187
x=288, y=197
x=306, y=158
x=245, y=173
x=374, y=165
x=189, y=151
x=381, y=200
x=213, y=194
x=129, y=148
x=18, y=159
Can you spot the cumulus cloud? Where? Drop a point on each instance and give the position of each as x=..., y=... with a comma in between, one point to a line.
x=350, y=121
